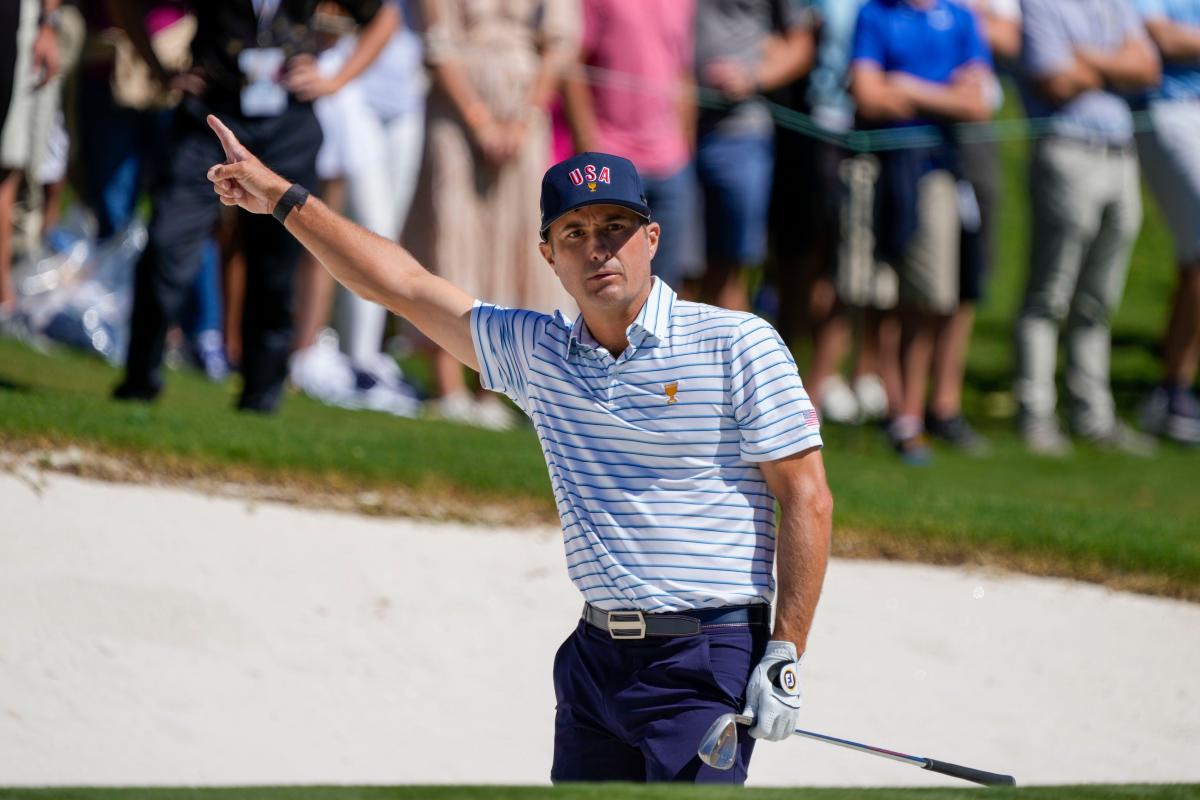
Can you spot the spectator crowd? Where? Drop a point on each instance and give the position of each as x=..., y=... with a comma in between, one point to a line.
x=430, y=122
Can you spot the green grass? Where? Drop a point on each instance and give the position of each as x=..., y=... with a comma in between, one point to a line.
x=1097, y=516
x=1119, y=520
x=63, y=397
x=604, y=792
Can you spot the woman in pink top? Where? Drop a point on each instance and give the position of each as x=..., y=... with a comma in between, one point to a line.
x=635, y=97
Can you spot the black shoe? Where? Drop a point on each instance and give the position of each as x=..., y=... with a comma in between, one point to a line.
x=909, y=443
x=136, y=393
x=264, y=402
x=1173, y=415
x=958, y=433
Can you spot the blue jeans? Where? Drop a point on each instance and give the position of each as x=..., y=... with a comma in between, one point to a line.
x=735, y=172
x=672, y=200
x=122, y=152
x=636, y=710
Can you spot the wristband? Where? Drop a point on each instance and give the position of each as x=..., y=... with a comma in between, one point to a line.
x=294, y=197
x=50, y=18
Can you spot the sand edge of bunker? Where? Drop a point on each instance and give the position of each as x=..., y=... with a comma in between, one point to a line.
x=436, y=501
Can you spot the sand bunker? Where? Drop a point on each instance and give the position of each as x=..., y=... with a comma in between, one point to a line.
x=158, y=636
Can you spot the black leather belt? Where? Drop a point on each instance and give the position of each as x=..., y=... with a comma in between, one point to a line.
x=639, y=625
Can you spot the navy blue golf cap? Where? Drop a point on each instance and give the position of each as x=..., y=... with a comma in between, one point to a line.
x=591, y=179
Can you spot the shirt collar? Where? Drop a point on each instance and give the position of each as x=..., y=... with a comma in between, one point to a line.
x=648, y=329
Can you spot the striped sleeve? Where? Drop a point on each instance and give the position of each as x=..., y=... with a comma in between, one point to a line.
x=774, y=415
x=504, y=339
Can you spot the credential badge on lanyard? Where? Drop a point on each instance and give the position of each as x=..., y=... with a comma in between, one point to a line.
x=265, y=10
x=263, y=96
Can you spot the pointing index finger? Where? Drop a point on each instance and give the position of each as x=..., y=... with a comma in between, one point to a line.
x=233, y=148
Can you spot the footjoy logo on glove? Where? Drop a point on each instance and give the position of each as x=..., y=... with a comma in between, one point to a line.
x=589, y=173
x=789, y=681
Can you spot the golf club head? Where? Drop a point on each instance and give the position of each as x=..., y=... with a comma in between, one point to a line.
x=718, y=748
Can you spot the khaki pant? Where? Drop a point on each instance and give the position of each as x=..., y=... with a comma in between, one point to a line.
x=1086, y=208
x=862, y=281
x=929, y=271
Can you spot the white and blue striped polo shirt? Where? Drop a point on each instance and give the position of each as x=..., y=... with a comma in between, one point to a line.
x=652, y=454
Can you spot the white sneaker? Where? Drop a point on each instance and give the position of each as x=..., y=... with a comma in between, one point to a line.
x=325, y=373
x=493, y=414
x=456, y=407
x=383, y=388
x=10, y=322
x=1044, y=437
x=489, y=413
x=871, y=396
x=375, y=395
x=835, y=401
x=1120, y=438
x=322, y=372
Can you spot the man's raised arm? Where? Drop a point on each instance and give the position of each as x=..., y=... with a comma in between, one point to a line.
x=366, y=264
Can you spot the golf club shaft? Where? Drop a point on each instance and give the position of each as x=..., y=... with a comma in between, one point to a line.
x=933, y=765
x=862, y=748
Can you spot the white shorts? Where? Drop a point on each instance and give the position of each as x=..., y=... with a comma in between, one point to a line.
x=340, y=115
x=1170, y=157
x=53, y=165
x=16, y=140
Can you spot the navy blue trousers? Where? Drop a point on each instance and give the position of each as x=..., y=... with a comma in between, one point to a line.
x=637, y=710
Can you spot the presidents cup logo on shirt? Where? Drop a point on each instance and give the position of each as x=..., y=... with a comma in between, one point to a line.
x=589, y=174
x=671, y=390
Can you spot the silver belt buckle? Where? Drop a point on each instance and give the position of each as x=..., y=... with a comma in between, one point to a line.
x=626, y=625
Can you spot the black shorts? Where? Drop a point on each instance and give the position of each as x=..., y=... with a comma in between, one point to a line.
x=806, y=197
x=980, y=164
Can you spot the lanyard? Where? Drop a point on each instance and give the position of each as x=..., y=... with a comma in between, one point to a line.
x=265, y=10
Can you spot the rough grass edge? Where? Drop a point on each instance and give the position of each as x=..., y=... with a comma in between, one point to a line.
x=437, y=501
x=433, y=499
x=605, y=791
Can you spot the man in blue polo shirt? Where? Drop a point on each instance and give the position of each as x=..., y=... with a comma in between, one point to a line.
x=919, y=62
x=670, y=430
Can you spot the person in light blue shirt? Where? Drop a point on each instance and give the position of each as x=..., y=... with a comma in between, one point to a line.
x=1171, y=162
x=1174, y=27
x=828, y=96
x=669, y=429
x=1079, y=59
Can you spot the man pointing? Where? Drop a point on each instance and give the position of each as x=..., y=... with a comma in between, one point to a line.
x=670, y=429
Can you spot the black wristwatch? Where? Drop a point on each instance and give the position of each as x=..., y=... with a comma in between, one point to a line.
x=294, y=197
x=51, y=18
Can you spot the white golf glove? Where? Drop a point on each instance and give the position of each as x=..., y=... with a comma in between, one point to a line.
x=773, y=694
